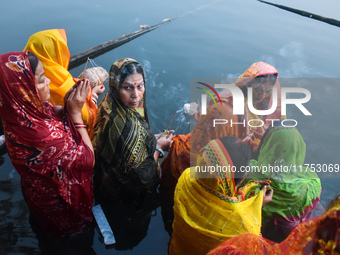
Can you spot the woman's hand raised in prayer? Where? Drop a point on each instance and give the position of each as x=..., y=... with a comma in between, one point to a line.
x=75, y=99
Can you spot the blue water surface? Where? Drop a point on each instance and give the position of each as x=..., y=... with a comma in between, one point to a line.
x=209, y=39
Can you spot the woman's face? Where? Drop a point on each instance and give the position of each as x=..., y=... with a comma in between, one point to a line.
x=41, y=82
x=132, y=90
x=262, y=86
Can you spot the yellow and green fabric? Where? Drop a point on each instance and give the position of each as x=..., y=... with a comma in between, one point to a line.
x=210, y=209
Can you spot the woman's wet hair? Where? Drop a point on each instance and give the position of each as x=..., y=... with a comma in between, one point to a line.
x=128, y=70
x=239, y=153
x=34, y=60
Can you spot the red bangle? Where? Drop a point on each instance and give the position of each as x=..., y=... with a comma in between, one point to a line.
x=78, y=124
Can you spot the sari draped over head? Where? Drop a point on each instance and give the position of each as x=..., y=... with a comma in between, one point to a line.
x=319, y=235
x=252, y=131
x=185, y=148
x=48, y=152
x=296, y=193
x=50, y=46
x=209, y=208
x=123, y=141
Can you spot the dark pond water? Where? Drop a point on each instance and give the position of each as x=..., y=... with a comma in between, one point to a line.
x=210, y=39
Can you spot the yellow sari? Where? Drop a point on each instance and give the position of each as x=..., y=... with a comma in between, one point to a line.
x=50, y=46
x=211, y=210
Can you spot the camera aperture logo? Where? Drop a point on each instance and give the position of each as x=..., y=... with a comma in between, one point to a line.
x=207, y=91
x=238, y=104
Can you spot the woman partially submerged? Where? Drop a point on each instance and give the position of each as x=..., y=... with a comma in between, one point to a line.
x=53, y=154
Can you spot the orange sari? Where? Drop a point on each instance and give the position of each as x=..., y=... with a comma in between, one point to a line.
x=316, y=236
x=50, y=46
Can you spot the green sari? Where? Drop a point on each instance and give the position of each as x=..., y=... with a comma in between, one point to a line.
x=296, y=188
x=124, y=143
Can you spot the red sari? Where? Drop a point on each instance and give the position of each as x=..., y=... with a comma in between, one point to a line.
x=54, y=163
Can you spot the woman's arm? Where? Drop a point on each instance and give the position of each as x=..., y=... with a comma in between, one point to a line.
x=75, y=100
x=163, y=144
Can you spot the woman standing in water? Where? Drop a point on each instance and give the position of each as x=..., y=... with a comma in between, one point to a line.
x=126, y=149
x=53, y=154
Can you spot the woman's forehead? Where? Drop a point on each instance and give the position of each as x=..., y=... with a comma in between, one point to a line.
x=134, y=78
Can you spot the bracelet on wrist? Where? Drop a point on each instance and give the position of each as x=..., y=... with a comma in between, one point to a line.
x=161, y=152
x=94, y=98
x=80, y=125
x=94, y=95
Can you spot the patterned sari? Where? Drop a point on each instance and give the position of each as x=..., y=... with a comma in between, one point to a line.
x=48, y=152
x=296, y=193
x=124, y=143
x=316, y=236
x=50, y=46
x=210, y=209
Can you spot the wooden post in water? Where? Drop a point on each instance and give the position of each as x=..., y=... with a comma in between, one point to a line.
x=333, y=22
x=81, y=57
